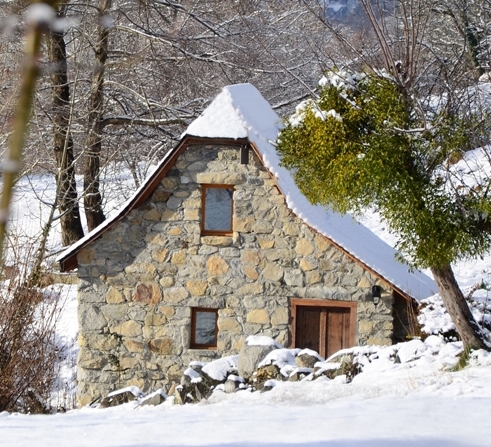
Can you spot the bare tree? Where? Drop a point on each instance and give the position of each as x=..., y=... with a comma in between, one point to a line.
x=67, y=200
x=92, y=196
x=137, y=83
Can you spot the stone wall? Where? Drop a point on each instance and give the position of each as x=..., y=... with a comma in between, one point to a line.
x=139, y=281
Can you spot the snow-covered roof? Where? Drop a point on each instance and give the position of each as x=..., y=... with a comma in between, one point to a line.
x=241, y=112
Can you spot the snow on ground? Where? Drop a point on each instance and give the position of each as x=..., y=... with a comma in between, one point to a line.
x=63, y=395
x=414, y=405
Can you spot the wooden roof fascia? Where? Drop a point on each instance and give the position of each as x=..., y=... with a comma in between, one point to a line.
x=339, y=247
x=193, y=140
x=70, y=262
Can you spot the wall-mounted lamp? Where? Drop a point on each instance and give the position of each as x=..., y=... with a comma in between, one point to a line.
x=376, y=294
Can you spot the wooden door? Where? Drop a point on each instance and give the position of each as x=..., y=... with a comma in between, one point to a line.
x=323, y=329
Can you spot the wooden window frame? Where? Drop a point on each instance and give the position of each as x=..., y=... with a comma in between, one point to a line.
x=295, y=303
x=204, y=231
x=194, y=311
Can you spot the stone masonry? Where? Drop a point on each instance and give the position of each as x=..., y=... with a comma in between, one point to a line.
x=140, y=279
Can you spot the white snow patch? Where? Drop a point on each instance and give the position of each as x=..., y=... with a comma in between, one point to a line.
x=261, y=340
x=221, y=368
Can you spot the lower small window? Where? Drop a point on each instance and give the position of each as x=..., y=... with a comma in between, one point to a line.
x=204, y=327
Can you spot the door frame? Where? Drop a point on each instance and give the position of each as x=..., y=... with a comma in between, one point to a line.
x=295, y=303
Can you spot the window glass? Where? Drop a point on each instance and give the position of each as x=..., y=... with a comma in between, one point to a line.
x=204, y=326
x=218, y=209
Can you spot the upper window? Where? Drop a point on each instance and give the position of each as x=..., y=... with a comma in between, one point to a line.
x=204, y=327
x=217, y=209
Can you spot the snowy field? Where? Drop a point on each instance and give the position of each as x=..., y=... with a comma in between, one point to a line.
x=415, y=406
x=418, y=402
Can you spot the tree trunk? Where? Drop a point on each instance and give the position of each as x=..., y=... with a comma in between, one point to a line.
x=458, y=309
x=93, y=145
x=67, y=200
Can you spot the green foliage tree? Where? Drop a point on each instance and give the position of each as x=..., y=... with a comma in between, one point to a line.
x=366, y=143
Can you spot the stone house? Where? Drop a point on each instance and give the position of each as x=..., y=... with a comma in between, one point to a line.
x=219, y=244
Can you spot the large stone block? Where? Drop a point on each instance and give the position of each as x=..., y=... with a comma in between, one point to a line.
x=152, y=214
x=160, y=255
x=230, y=252
x=114, y=312
x=89, y=359
x=90, y=318
x=312, y=277
x=168, y=311
x=252, y=302
x=379, y=340
x=182, y=194
x=133, y=345
x=102, y=342
x=250, y=272
x=273, y=272
x=86, y=256
x=280, y=317
x=151, y=332
x=304, y=247
x=192, y=214
x=291, y=229
x=217, y=266
x=365, y=326
x=262, y=227
x=175, y=294
x=179, y=257
x=192, y=203
x=254, y=288
x=220, y=178
x=251, y=256
x=265, y=243
x=127, y=329
x=167, y=281
x=307, y=265
x=327, y=265
x=282, y=254
x=294, y=277
x=197, y=287
x=244, y=224
x=174, y=231
x=161, y=346
x=141, y=270
x=160, y=195
x=153, y=319
x=250, y=357
x=258, y=316
x=170, y=216
x=169, y=183
x=149, y=294
x=127, y=362
x=229, y=325
x=155, y=239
